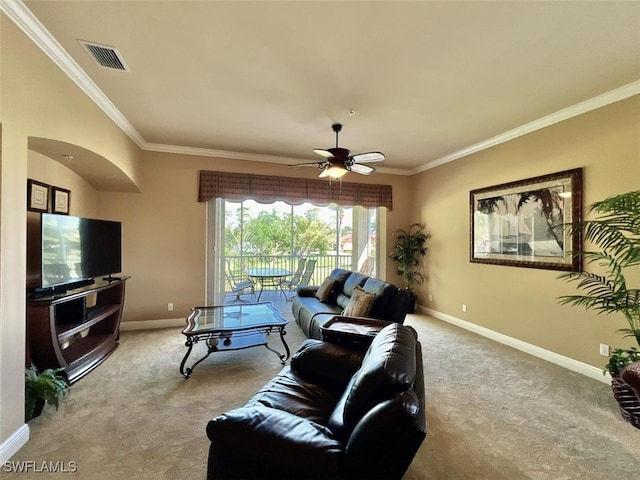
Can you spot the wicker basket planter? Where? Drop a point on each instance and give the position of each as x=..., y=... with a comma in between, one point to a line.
x=627, y=399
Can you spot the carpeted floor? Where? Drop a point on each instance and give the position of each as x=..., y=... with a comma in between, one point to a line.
x=493, y=413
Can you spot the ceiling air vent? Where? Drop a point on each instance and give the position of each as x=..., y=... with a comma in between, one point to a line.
x=107, y=57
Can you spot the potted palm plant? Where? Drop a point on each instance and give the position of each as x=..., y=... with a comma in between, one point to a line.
x=608, y=287
x=43, y=387
x=408, y=247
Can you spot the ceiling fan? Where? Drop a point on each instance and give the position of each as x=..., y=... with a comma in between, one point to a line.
x=340, y=161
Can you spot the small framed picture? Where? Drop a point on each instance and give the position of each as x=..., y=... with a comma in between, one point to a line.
x=61, y=200
x=37, y=196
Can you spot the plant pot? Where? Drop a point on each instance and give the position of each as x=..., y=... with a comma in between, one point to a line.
x=627, y=400
x=412, y=305
x=37, y=409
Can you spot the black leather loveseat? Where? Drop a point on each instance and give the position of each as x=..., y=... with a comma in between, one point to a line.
x=334, y=413
x=311, y=313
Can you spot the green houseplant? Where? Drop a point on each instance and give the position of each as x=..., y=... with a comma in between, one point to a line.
x=43, y=387
x=614, y=266
x=408, y=247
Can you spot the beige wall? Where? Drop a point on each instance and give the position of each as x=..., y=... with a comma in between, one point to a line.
x=164, y=225
x=164, y=228
x=36, y=100
x=521, y=302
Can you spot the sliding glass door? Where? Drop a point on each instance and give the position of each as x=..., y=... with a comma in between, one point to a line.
x=249, y=234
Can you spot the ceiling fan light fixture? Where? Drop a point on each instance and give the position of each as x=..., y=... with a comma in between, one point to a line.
x=334, y=171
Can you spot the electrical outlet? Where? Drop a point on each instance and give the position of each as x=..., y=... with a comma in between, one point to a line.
x=430, y=298
x=464, y=307
x=604, y=350
x=170, y=307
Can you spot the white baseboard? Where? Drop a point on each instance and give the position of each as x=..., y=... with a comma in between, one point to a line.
x=15, y=442
x=149, y=324
x=566, y=362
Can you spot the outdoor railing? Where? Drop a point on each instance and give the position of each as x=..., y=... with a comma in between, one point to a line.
x=325, y=264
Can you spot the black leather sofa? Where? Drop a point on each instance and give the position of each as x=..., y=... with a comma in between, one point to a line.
x=391, y=303
x=334, y=413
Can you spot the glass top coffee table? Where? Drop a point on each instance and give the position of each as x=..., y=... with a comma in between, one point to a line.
x=233, y=327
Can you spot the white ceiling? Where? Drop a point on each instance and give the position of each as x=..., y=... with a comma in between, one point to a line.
x=265, y=80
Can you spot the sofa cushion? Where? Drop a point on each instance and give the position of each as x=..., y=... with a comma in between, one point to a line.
x=360, y=303
x=354, y=280
x=383, y=292
x=261, y=442
x=326, y=363
x=291, y=392
x=340, y=275
x=306, y=309
x=324, y=290
x=389, y=367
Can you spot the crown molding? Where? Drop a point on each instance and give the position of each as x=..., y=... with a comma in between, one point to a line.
x=208, y=152
x=31, y=26
x=252, y=157
x=594, y=103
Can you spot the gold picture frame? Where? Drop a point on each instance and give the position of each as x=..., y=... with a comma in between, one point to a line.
x=520, y=224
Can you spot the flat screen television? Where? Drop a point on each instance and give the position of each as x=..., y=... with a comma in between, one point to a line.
x=75, y=251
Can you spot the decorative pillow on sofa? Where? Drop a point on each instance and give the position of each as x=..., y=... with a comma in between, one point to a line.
x=360, y=303
x=324, y=290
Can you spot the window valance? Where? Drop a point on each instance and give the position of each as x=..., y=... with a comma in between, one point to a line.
x=267, y=189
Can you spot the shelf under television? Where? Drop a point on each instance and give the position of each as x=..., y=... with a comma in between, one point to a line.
x=95, y=315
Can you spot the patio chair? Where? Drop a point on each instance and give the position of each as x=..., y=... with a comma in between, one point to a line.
x=308, y=272
x=305, y=278
x=368, y=266
x=239, y=287
x=291, y=283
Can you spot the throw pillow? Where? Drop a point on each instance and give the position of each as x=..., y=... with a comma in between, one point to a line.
x=324, y=290
x=360, y=303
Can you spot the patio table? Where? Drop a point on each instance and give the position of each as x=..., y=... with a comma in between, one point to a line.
x=269, y=276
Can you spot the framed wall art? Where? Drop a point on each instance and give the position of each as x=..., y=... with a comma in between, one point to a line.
x=520, y=223
x=61, y=200
x=37, y=196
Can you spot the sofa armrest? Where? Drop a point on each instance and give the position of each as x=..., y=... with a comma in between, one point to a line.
x=326, y=363
x=352, y=332
x=307, y=290
x=263, y=442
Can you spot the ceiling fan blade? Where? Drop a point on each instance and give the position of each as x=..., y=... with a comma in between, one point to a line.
x=308, y=164
x=362, y=169
x=323, y=153
x=368, y=157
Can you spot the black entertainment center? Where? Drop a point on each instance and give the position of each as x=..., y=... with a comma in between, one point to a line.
x=74, y=302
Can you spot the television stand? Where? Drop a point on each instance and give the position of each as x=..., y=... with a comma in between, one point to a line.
x=75, y=330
